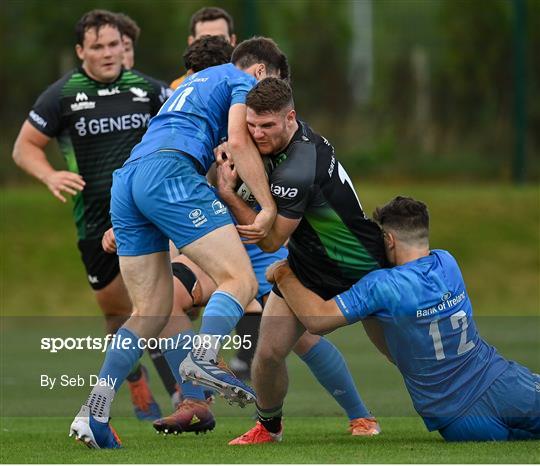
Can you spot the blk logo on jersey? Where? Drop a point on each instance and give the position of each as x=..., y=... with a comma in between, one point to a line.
x=284, y=192
x=111, y=91
x=106, y=125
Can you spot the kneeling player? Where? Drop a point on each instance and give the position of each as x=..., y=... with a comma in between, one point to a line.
x=458, y=383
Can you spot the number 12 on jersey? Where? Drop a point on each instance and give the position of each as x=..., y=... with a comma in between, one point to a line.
x=458, y=319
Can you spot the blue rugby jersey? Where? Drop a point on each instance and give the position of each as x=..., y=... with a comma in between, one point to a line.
x=195, y=118
x=429, y=329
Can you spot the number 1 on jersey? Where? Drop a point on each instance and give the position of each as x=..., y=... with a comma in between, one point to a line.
x=179, y=101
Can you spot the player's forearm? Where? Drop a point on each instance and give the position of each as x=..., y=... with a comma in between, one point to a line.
x=250, y=168
x=310, y=308
x=32, y=160
x=243, y=214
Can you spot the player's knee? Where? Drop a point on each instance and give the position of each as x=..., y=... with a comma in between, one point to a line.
x=247, y=283
x=269, y=354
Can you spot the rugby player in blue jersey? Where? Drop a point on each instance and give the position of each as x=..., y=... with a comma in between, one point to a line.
x=459, y=384
x=160, y=193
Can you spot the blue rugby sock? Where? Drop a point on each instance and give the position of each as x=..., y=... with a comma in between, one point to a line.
x=221, y=314
x=175, y=356
x=119, y=361
x=329, y=367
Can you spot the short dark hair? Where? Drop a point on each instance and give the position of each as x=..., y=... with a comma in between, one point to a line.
x=95, y=19
x=270, y=95
x=261, y=50
x=128, y=27
x=207, y=51
x=211, y=13
x=407, y=217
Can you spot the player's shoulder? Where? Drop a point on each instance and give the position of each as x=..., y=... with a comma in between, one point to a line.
x=443, y=255
x=137, y=78
x=73, y=77
x=310, y=136
x=232, y=74
x=302, y=148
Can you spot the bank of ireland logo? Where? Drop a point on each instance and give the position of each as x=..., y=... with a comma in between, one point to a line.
x=197, y=217
x=218, y=207
x=80, y=126
x=446, y=296
x=194, y=214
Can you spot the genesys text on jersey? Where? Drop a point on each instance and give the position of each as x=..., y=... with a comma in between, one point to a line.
x=105, y=125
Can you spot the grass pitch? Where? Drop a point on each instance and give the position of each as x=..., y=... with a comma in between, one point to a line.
x=493, y=231
x=306, y=440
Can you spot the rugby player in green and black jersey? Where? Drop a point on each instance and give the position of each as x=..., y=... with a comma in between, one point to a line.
x=97, y=112
x=331, y=241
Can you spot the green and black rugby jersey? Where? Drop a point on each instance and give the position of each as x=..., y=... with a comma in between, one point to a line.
x=97, y=125
x=335, y=244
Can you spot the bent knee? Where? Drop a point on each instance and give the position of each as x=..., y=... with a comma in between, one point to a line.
x=270, y=354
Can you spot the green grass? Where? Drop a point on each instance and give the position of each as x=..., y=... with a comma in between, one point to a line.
x=492, y=230
x=307, y=440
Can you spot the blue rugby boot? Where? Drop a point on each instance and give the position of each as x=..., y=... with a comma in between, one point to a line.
x=92, y=433
x=217, y=377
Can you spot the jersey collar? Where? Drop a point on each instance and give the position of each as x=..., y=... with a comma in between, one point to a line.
x=100, y=83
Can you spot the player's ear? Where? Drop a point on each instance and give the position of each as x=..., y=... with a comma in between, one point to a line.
x=233, y=40
x=389, y=239
x=260, y=71
x=79, y=51
x=190, y=40
x=291, y=116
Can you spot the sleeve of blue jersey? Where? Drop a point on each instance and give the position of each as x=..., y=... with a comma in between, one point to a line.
x=239, y=89
x=360, y=301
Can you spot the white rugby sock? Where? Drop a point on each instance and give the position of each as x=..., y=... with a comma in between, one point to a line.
x=99, y=401
x=208, y=348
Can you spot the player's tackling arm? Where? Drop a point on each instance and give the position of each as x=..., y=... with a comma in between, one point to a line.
x=317, y=315
x=282, y=228
x=29, y=154
x=249, y=165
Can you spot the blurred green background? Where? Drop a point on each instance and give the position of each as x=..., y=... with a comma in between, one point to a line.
x=418, y=97
x=403, y=88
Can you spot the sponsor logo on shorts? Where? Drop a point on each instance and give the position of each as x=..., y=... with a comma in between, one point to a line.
x=38, y=119
x=219, y=207
x=195, y=214
x=93, y=279
x=197, y=217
